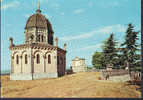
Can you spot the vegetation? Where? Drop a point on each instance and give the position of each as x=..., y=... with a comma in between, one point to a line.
x=109, y=51
x=130, y=47
x=119, y=56
x=97, y=60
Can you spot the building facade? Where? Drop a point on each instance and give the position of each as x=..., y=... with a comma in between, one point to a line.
x=37, y=57
x=78, y=65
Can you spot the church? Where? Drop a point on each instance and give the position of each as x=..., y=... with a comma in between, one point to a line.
x=38, y=57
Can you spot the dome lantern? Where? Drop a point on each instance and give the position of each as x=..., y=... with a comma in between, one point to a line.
x=40, y=27
x=38, y=10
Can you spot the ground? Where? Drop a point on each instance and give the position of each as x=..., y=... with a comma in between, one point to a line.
x=85, y=84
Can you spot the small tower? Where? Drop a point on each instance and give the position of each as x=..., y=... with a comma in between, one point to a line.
x=65, y=45
x=56, y=40
x=11, y=41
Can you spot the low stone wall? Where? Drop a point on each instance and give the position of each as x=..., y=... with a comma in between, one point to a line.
x=21, y=76
x=44, y=75
x=121, y=78
x=116, y=75
x=115, y=72
x=29, y=76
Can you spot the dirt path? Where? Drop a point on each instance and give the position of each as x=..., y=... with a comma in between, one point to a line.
x=75, y=85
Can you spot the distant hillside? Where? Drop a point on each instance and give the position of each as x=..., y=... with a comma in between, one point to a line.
x=5, y=72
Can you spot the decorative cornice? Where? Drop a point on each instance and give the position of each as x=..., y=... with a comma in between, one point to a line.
x=44, y=46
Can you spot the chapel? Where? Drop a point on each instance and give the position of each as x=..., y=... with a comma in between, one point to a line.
x=38, y=57
x=79, y=65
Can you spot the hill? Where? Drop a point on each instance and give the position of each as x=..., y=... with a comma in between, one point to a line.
x=82, y=85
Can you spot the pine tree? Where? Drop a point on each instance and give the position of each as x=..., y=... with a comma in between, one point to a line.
x=130, y=47
x=97, y=60
x=109, y=51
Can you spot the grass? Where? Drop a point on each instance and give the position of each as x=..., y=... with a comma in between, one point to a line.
x=82, y=85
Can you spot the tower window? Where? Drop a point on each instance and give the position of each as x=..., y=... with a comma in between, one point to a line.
x=42, y=38
x=17, y=59
x=26, y=59
x=38, y=59
x=38, y=38
x=49, y=59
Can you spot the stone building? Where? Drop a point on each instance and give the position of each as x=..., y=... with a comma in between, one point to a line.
x=78, y=65
x=37, y=57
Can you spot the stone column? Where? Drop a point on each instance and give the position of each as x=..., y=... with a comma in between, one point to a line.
x=65, y=45
x=12, y=64
x=44, y=63
x=56, y=40
x=21, y=62
x=31, y=60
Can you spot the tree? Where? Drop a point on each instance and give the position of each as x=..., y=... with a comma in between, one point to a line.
x=97, y=60
x=109, y=51
x=138, y=63
x=130, y=46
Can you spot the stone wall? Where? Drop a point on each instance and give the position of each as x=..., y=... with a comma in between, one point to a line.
x=30, y=76
x=121, y=78
x=42, y=69
x=116, y=75
x=61, y=65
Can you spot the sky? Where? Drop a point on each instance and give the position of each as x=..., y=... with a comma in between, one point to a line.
x=82, y=24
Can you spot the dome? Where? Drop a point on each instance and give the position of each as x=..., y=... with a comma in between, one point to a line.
x=39, y=21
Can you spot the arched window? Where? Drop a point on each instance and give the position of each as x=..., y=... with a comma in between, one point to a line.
x=26, y=59
x=42, y=38
x=49, y=59
x=38, y=38
x=61, y=60
x=58, y=59
x=17, y=59
x=38, y=59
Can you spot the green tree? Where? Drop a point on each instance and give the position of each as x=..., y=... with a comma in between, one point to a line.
x=130, y=46
x=109, y=51
x=138, y=63
x=97, y=60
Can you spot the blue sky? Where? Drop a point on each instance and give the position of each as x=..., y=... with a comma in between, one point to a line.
x=82, y=24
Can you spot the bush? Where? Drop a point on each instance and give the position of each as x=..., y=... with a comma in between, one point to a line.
x=99, y=78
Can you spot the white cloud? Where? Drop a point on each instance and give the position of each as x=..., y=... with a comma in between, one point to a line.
x=78, y=11
x=13, y=4
x=62, y=13
x=68, y=38
x=55, y=5
x=44, y=1
x=114, y=4
x=103, y=30
x=47, y=16
x=110, y=4
x=112, y=28
x=27, y=15
x=91, y=47
x=90, y=4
